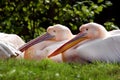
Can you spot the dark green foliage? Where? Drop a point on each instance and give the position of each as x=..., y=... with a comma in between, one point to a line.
x=30, y=18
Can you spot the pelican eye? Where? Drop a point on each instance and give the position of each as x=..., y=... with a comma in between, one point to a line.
x=54, y=30
x=86, y=29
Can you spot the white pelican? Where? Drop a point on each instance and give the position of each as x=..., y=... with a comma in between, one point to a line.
x=9, y=44
x=93, y=43
x=40, y=50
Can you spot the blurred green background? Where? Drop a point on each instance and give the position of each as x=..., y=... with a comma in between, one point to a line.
x=30, y=18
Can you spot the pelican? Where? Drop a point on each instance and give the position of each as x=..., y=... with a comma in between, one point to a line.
x=93, y=43
x=60, y=33
x=9, y=44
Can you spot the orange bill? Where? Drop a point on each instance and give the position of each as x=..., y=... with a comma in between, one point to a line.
x=78, y=38
x=44, y=37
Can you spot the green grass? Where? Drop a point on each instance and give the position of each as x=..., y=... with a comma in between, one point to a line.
x=47, y=70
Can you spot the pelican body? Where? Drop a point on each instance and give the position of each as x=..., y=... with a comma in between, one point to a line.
x=105, y=50
x=9, y=44
x=14, y=39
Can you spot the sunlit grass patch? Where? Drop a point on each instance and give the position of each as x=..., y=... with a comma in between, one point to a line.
x=47, y=70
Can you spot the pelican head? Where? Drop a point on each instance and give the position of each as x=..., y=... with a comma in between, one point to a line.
x=88, y=31
x=93, y=30
x=59, y=32
x=56, y=32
